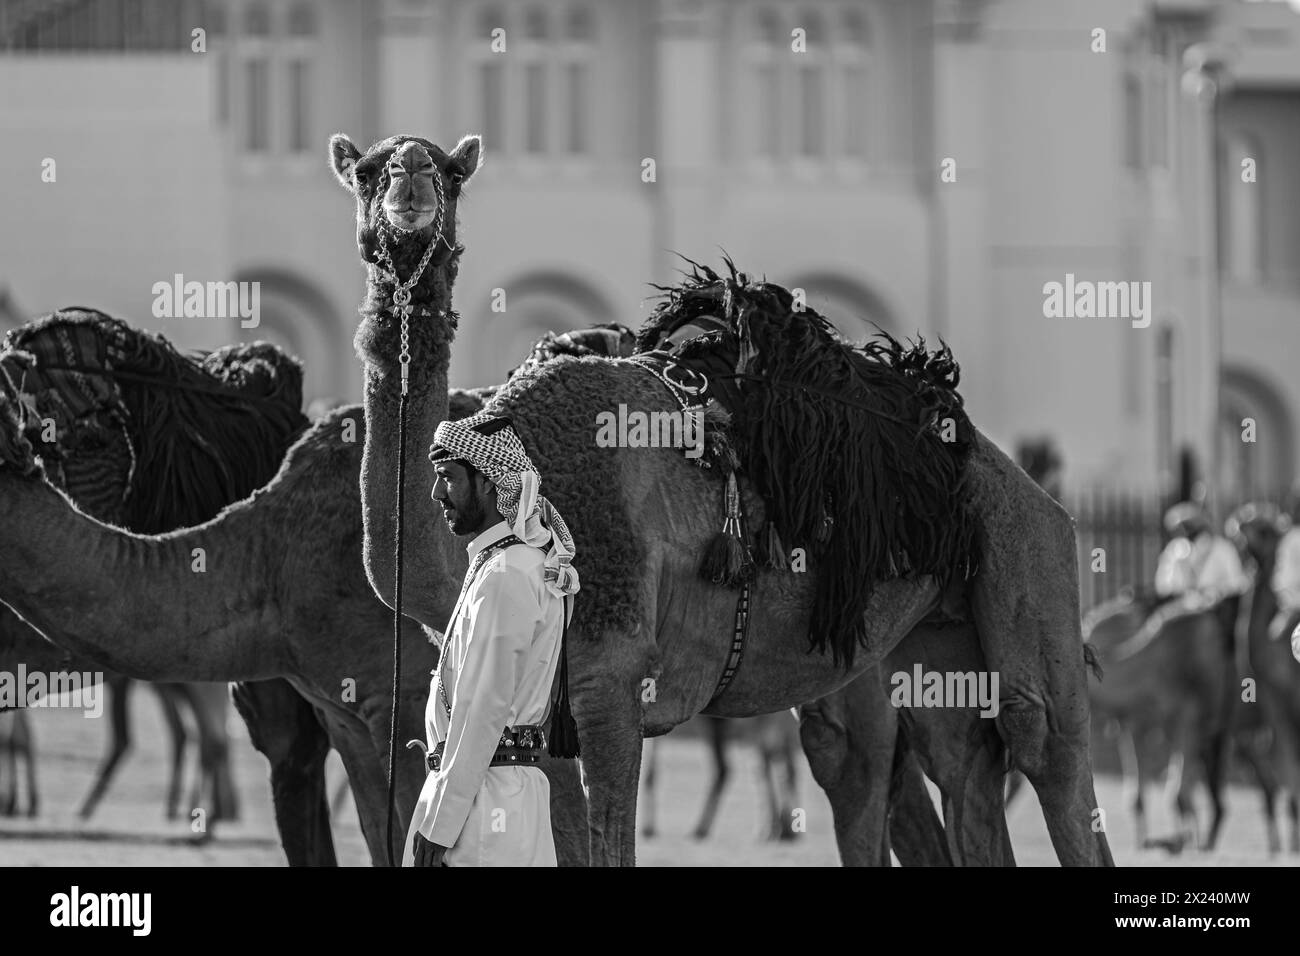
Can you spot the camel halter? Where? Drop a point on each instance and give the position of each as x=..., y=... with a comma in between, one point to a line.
x=403, y=309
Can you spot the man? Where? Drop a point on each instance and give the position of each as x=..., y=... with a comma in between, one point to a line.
x=1286, y=577
x=485, y=801
x=1197, y=564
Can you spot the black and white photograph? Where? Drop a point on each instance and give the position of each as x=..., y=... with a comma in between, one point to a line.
x=675, y=433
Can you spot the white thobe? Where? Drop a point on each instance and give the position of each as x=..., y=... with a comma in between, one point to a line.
x=1209, y=565
x=498, y=664
x=1286, y=572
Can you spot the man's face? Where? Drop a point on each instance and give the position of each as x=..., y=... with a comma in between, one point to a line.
x=463, y=496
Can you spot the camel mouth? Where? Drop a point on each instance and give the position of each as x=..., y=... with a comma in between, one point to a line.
x=410, y=219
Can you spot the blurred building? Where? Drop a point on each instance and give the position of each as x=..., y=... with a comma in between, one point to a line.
x=823, y=168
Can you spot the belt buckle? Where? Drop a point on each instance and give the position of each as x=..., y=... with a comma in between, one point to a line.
x=433, y=761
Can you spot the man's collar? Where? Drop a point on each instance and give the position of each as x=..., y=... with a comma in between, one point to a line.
x=492, y=535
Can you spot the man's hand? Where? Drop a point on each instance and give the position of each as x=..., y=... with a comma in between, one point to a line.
x=428, y=854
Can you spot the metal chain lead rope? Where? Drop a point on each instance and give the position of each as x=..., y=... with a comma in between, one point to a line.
x=403, y=309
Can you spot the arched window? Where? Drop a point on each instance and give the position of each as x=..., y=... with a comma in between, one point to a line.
x=851, y=56
x=766, y=55
x=300, y=54
x=1132, y=113
x=1243, y=215
x=491, y=79
x=257, y=20
x=535, y=80
x=535, y=23
x=302, y=19
x=811, y=73
x=852, y=307
x=577, y=91
x=580, y=27
x=539, y=303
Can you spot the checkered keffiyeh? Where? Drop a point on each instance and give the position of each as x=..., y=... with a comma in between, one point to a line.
x=491, y=445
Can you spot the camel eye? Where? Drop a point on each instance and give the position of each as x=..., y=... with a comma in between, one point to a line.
x=457, y=177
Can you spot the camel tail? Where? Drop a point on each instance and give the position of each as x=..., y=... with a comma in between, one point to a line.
x=1091, y=661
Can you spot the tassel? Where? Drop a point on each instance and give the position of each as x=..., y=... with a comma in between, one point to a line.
x=727, y=561
x=562, y=735
x=772, y=550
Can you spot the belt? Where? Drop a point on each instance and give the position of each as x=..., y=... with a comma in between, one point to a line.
x=518, y=745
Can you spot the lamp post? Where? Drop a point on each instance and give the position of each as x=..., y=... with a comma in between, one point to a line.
x=1205, y=76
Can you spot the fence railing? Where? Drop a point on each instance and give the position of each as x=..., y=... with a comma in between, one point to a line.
x=1129, y=531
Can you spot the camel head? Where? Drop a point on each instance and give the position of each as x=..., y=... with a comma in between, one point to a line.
x=406, y=189
x=1255, y=528
x=16, y=417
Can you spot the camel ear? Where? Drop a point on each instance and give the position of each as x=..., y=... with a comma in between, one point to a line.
x=469, y=154
x=343, y=156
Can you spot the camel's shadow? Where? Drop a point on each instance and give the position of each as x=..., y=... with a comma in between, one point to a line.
x=139, y=839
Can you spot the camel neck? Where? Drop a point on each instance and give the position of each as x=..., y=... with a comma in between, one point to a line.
x=433, y=561
x=193, y=605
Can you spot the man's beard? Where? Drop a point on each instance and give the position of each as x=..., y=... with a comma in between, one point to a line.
x=468, y=518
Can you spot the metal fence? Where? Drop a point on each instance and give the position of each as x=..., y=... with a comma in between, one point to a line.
x=1129, y=531
x=1119, y=538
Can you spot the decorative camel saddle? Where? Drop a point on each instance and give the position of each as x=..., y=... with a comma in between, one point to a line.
x=858, y=452
x=176, y=438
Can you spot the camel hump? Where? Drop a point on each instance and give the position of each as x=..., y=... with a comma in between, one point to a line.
x=151, y=438
x=859, y=451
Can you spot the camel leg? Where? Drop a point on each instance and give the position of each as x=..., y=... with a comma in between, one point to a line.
x=1293, y=811
x=717, y=736
x=915, y=832
x=1214, y=761
x=1267, y=790
x=119, y=742
x=9, y=763
x=650, y=765
x=27, y=739
x=211, y=703
x=776, y=827
x=285, y=729
x=959, y=750
x=177, y=736
x=780, y=740
x=849, y=739
x=568, y=812
x=1286, y=745
x=607, y=708
x=1131, y=768
x=1025, y=598
x=1181, y=780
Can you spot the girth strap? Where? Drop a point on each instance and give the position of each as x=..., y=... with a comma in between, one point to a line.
x=738, y=635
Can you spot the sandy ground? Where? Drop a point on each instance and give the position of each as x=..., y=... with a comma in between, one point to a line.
x=130, y=829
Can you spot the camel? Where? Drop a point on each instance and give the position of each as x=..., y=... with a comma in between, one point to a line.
x=642, y=518
x=142, y=630
x=1275, y=669
x=112, y=421
x=775, y=737
x=1171, y=681
x=208, y=705
x=17, y=743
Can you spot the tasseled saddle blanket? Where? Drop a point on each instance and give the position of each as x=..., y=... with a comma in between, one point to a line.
x=858, y=452
x=145, y=437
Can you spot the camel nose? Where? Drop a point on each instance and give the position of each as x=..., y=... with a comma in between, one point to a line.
x=412, y=160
